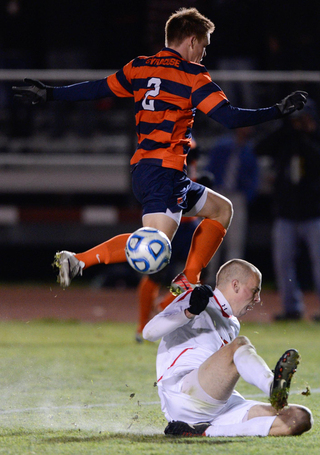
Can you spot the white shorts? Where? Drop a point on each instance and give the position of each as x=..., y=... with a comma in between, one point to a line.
x=194, y=405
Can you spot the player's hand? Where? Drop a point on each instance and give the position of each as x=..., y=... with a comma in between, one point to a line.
x=200, y=298
x=294, y=101
x=34, y=93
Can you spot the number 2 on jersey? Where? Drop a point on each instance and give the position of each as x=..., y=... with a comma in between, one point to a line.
x=147, y=103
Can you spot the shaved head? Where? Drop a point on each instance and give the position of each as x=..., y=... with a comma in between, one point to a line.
x=235, y=269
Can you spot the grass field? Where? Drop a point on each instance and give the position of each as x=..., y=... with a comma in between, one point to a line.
x=79, y=388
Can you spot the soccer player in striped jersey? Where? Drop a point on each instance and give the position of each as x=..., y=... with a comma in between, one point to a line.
x=167, y=89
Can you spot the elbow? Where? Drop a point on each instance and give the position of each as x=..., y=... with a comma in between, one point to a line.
x=148, y=335
x=226, y=122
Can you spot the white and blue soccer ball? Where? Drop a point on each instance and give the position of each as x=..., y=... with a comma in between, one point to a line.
x=148, y=250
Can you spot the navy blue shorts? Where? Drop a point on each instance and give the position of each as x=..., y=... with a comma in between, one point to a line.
x=158, y=189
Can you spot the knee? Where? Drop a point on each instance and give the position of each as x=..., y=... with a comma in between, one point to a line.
x=240, y=342
x=226, y=212
x=307, y=419
x=303, y=420
x=300, y=421
x=220, y=209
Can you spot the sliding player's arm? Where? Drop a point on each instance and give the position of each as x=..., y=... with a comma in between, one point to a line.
x=178, y=313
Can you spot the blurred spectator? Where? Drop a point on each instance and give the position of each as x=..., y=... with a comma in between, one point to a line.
x=233, y=163
x=295, y=149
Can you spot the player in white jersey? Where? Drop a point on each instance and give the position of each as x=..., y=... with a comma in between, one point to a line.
x=201, y=357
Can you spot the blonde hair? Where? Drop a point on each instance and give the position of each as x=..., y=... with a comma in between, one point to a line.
x=184, y=23
x=236, y=269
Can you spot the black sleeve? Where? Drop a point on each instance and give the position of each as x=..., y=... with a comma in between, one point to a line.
x=83, y=91
x=236, y=117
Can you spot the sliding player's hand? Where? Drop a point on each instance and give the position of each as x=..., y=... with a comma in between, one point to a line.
x=200, y=298
x=36, y=92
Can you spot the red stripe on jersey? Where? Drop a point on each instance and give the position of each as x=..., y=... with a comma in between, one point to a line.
x=184, y=295
x=187, y=349
x=224, y=314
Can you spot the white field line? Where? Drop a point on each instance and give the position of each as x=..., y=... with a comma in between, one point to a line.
x=84, y=406
x=114, y=405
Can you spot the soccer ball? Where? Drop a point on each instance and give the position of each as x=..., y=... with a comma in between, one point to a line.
x=148, y=250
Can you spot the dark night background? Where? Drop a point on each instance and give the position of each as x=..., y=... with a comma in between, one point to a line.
x=55, y=34
x=106, y=34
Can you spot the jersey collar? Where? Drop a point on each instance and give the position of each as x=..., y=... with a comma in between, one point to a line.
x=223, y=303
x=168, y=49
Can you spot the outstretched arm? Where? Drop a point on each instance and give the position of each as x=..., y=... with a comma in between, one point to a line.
x=236, y=117
x=83, y=91
x=116, y=85
x=37, y=92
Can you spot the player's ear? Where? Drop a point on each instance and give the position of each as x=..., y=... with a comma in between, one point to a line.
x=191, y=41
x=235, y=285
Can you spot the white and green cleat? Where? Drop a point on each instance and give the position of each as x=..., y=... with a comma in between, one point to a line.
x=68, y=267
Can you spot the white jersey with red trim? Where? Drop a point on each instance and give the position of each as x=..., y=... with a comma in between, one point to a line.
x=187, y=343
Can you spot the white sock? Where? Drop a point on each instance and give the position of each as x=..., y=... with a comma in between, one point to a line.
x=258, y=426
x=252, y=368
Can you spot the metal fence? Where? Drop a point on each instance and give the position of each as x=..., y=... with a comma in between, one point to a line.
x=90, y=143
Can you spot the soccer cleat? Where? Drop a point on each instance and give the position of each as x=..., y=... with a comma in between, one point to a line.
x=180, y=285
x=283, y=372
x=68, y=267
x=179, y=428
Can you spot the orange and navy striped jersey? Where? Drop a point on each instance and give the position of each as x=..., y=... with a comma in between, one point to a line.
x=167, y=90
